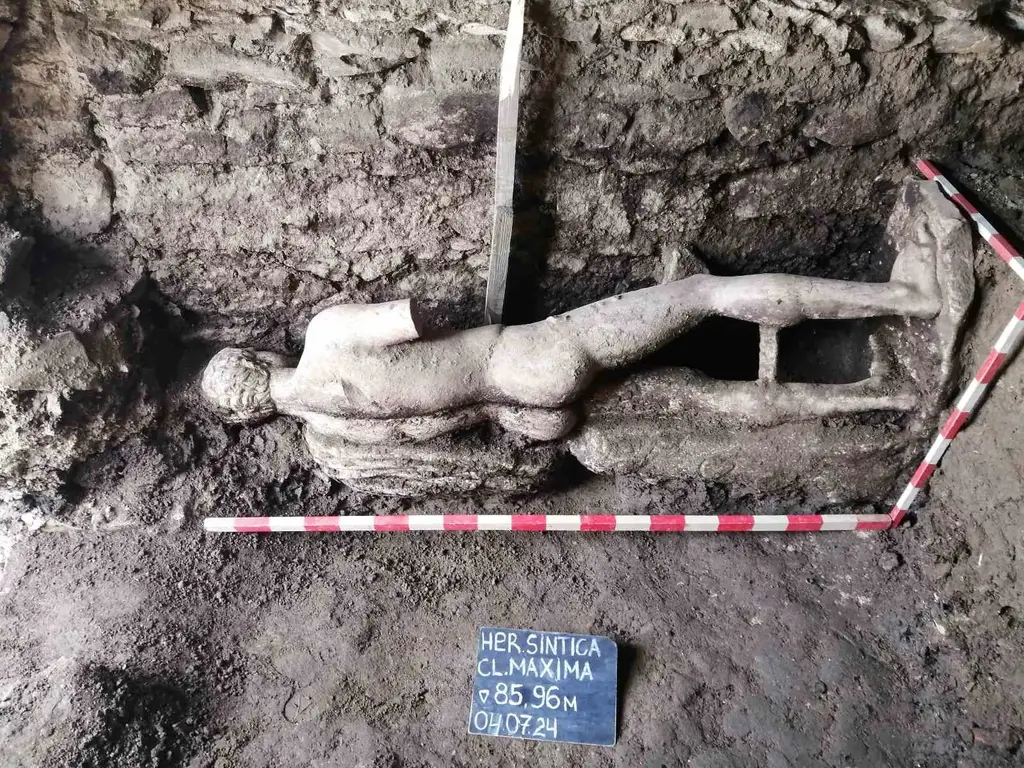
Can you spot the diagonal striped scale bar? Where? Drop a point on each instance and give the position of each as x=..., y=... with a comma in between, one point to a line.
x=1003, y=248
x=962, y=411
x=544, y=523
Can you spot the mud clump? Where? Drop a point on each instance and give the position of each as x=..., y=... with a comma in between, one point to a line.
x=117, y=719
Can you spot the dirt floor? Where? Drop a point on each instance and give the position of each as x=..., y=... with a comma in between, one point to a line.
x=178, y=648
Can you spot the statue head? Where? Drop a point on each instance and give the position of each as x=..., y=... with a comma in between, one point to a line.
x=236, y=384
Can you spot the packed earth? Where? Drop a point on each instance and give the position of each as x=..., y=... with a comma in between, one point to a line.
x=180, y=177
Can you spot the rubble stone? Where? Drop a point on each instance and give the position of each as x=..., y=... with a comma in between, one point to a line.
x=851, y=122
x=963, y=38
x=74, y=194
x=756, y=118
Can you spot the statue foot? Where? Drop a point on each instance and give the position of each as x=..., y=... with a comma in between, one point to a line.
x=535, y=423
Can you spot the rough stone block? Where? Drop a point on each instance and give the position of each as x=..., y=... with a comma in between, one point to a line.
x=670, y=212
x=58, y=365
x=377, y=264
x=159, y=109
x=960, y=37
x=961, y=10
x=650, y=32
x=756, y=118
x=250, y=138
x=74, y=194
x=668, y=129
x=310, y=132
x=783, y=191
x=836, y=35
x=883, y=34
x=852, y=122
x=453, y=61
x=773, y=43
x=167, y=146
x=111, y=65
x=591, y=207
x=359, y=53
x=210, y=65
x=604, y=128
x=706, y=17
x=427, y=118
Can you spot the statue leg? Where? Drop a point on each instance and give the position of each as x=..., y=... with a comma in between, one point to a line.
x=550, y=363
x=535, y=423
x=782, y=300
x=779, y=301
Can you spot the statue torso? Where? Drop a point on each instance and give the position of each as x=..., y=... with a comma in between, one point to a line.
x=396, y=380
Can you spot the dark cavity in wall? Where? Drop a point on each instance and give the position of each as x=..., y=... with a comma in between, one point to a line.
x=720, y=347
x=201, y=98
x=826, y=352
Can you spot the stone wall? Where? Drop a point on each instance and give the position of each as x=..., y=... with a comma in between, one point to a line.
x=256, y=159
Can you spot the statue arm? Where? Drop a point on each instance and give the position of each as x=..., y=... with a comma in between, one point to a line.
x=371, y=325
x=410, y=429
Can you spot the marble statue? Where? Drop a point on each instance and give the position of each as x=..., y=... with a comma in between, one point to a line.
x=364, y=363
x=369, y=375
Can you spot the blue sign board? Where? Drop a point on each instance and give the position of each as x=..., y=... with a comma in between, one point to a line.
x=547, y=686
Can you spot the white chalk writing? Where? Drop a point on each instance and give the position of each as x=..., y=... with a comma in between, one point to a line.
x=540, y=655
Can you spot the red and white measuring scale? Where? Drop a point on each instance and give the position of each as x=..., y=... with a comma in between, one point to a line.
x=540, y=523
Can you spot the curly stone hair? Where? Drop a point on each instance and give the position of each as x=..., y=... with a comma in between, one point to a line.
x=236, y=384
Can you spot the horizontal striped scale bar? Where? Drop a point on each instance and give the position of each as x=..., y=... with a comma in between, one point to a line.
x=539, y=523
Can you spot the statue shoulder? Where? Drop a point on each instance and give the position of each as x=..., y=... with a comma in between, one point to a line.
x=364, y=325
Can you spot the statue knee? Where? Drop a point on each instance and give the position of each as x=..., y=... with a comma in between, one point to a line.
x=548, y=383
x=536, y=423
